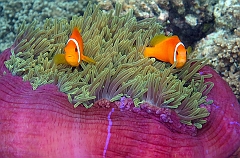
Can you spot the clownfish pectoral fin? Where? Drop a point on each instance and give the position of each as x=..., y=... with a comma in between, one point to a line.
x=88, y=59
x=157, y=39
x=59, y=59
x=189, y=50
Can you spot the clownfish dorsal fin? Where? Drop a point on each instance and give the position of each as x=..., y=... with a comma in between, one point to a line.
x=75, y=32
x=157, y=39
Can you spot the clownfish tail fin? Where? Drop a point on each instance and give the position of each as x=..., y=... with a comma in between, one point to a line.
x=88, y=59
x=149, y=52
x=59, y=59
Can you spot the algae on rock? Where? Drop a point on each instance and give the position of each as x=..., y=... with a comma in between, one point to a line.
x=116, y=43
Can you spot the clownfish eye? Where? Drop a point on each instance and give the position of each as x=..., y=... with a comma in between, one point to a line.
x=177, y=52
x=76, y=49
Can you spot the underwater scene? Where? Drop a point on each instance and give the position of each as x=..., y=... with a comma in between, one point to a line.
x=120, y=78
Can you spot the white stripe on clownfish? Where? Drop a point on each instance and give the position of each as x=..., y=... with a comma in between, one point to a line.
x=78, y=48
x=175, y=51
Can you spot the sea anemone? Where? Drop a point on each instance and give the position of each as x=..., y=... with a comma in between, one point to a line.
x=116, y=43
x=125, y=105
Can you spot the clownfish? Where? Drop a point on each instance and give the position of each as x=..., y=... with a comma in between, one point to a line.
x=168, y=49
x=73, y=51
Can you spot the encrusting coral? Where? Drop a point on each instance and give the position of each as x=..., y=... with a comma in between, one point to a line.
x=224, y=56
x=222, y=45
x=115, y=42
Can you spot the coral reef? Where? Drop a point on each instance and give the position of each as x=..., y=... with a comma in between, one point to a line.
x=14, y=13
x=115, y=42
x=42, y=123
x=189, y=19
x=227, y=14
x=224, y=56
x=222, y=46
x=185, y=18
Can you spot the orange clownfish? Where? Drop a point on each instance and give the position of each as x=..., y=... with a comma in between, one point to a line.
x=167, y=49
x=73, y=51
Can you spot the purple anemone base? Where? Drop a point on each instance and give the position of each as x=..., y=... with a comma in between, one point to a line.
x=42, y=123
